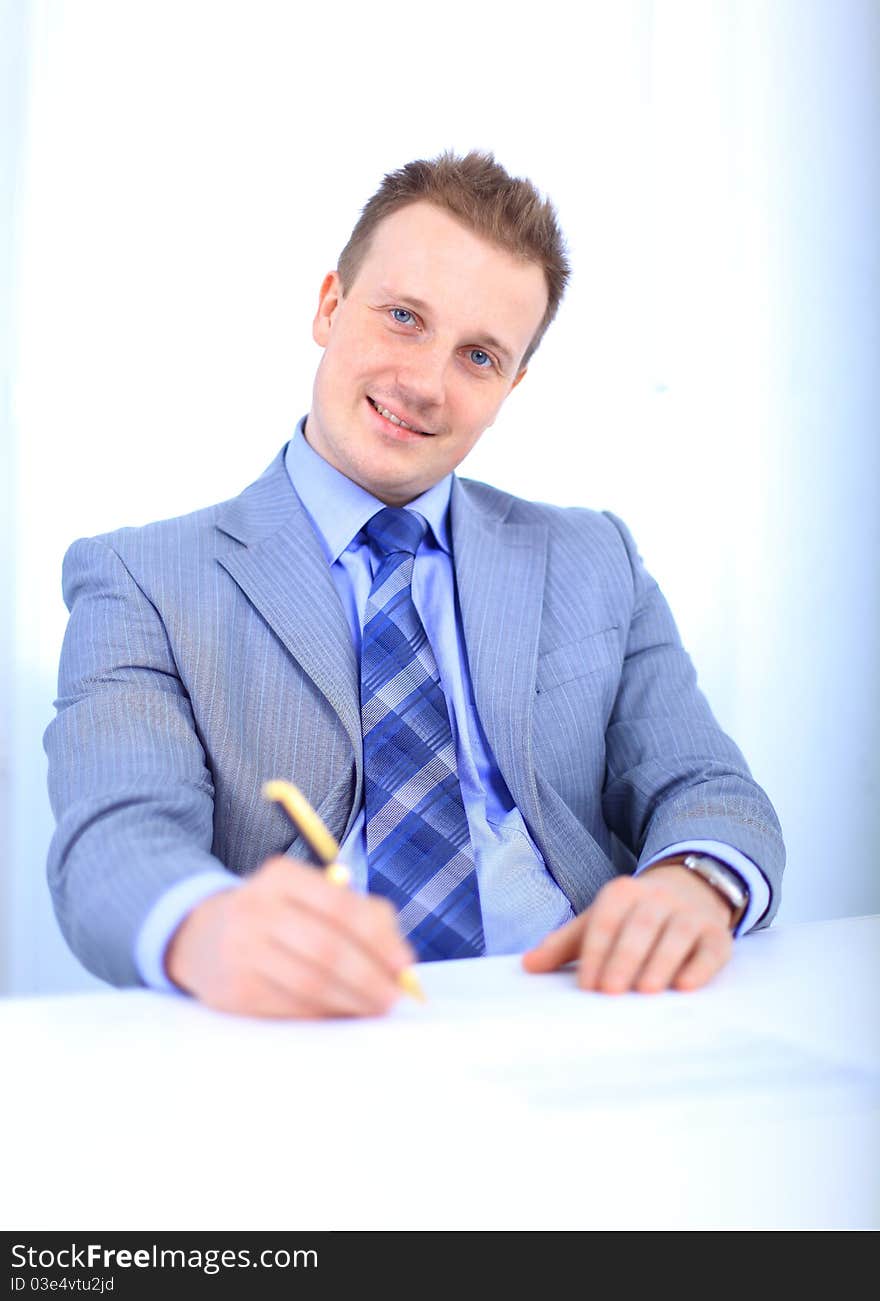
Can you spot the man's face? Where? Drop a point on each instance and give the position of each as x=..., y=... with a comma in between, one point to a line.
x=432, y=331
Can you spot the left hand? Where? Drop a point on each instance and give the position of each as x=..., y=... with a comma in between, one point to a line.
x=666, y=928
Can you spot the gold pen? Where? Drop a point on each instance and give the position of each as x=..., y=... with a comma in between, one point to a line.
x=326, y=850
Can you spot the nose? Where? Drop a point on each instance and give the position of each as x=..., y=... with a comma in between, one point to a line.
x=421, y=376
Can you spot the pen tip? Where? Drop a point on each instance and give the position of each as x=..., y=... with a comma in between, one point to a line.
x=409, y=983
x=337, y=874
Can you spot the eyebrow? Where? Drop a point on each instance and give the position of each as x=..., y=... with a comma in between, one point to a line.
x=488, y=339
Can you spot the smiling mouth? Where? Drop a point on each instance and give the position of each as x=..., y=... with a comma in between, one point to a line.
x=396, y=420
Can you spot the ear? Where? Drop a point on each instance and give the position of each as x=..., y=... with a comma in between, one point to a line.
x=328, y=300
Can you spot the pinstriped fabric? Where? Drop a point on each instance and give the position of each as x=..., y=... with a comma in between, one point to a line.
x=180, y=693
x=418, y=845
x=207, y=653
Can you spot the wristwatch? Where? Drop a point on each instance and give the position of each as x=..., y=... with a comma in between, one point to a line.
x=724, y=880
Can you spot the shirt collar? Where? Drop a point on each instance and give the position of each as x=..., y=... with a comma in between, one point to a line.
x=339, y=508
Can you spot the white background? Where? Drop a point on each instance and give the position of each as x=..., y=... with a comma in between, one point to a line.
x=176, y=179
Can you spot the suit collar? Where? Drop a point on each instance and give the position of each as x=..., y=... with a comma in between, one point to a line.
x=262, y=509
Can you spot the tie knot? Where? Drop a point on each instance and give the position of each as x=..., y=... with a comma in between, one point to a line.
x=395, y=529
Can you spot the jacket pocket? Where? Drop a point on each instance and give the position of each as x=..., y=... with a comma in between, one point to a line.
x=578, y=659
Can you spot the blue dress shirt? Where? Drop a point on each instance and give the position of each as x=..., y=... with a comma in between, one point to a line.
x=520, y=900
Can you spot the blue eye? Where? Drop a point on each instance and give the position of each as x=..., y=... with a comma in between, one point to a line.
x=480, y=358
x=399, y=312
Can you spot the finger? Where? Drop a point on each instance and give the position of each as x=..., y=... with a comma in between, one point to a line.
x=259, y=994
x=675, y=945
x=242, y=966
x=264, y=998
x=328, y=967
x=247, y=991
x=637, y=934
x=713, y=951
x=369, y=920
x=314, y=991
x=605, y=917
x=557, y=948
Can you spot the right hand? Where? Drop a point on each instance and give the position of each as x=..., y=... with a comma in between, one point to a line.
x=289, y=943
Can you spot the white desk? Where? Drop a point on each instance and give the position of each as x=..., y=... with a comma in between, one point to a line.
x=511, y=1101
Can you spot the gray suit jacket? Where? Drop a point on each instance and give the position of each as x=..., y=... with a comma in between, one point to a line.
x=209, y=653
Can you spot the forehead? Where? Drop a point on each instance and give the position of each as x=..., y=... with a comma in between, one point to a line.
x=426, y=253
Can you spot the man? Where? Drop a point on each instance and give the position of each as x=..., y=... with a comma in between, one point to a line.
x=486, y=698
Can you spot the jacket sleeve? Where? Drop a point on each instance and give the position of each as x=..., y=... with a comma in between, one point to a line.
x=672, y=774
x=128, y=781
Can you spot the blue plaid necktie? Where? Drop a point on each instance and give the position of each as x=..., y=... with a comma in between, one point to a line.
x=418, y=848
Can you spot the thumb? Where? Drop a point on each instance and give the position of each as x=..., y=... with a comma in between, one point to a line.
x=557, y=948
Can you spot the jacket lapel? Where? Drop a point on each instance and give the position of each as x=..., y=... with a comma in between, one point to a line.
x=283, y=571
x=499, y=570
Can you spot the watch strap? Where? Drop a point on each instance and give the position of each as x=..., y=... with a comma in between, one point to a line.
x=724, y=879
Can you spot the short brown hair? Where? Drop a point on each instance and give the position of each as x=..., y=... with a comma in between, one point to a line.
x=507, y=211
